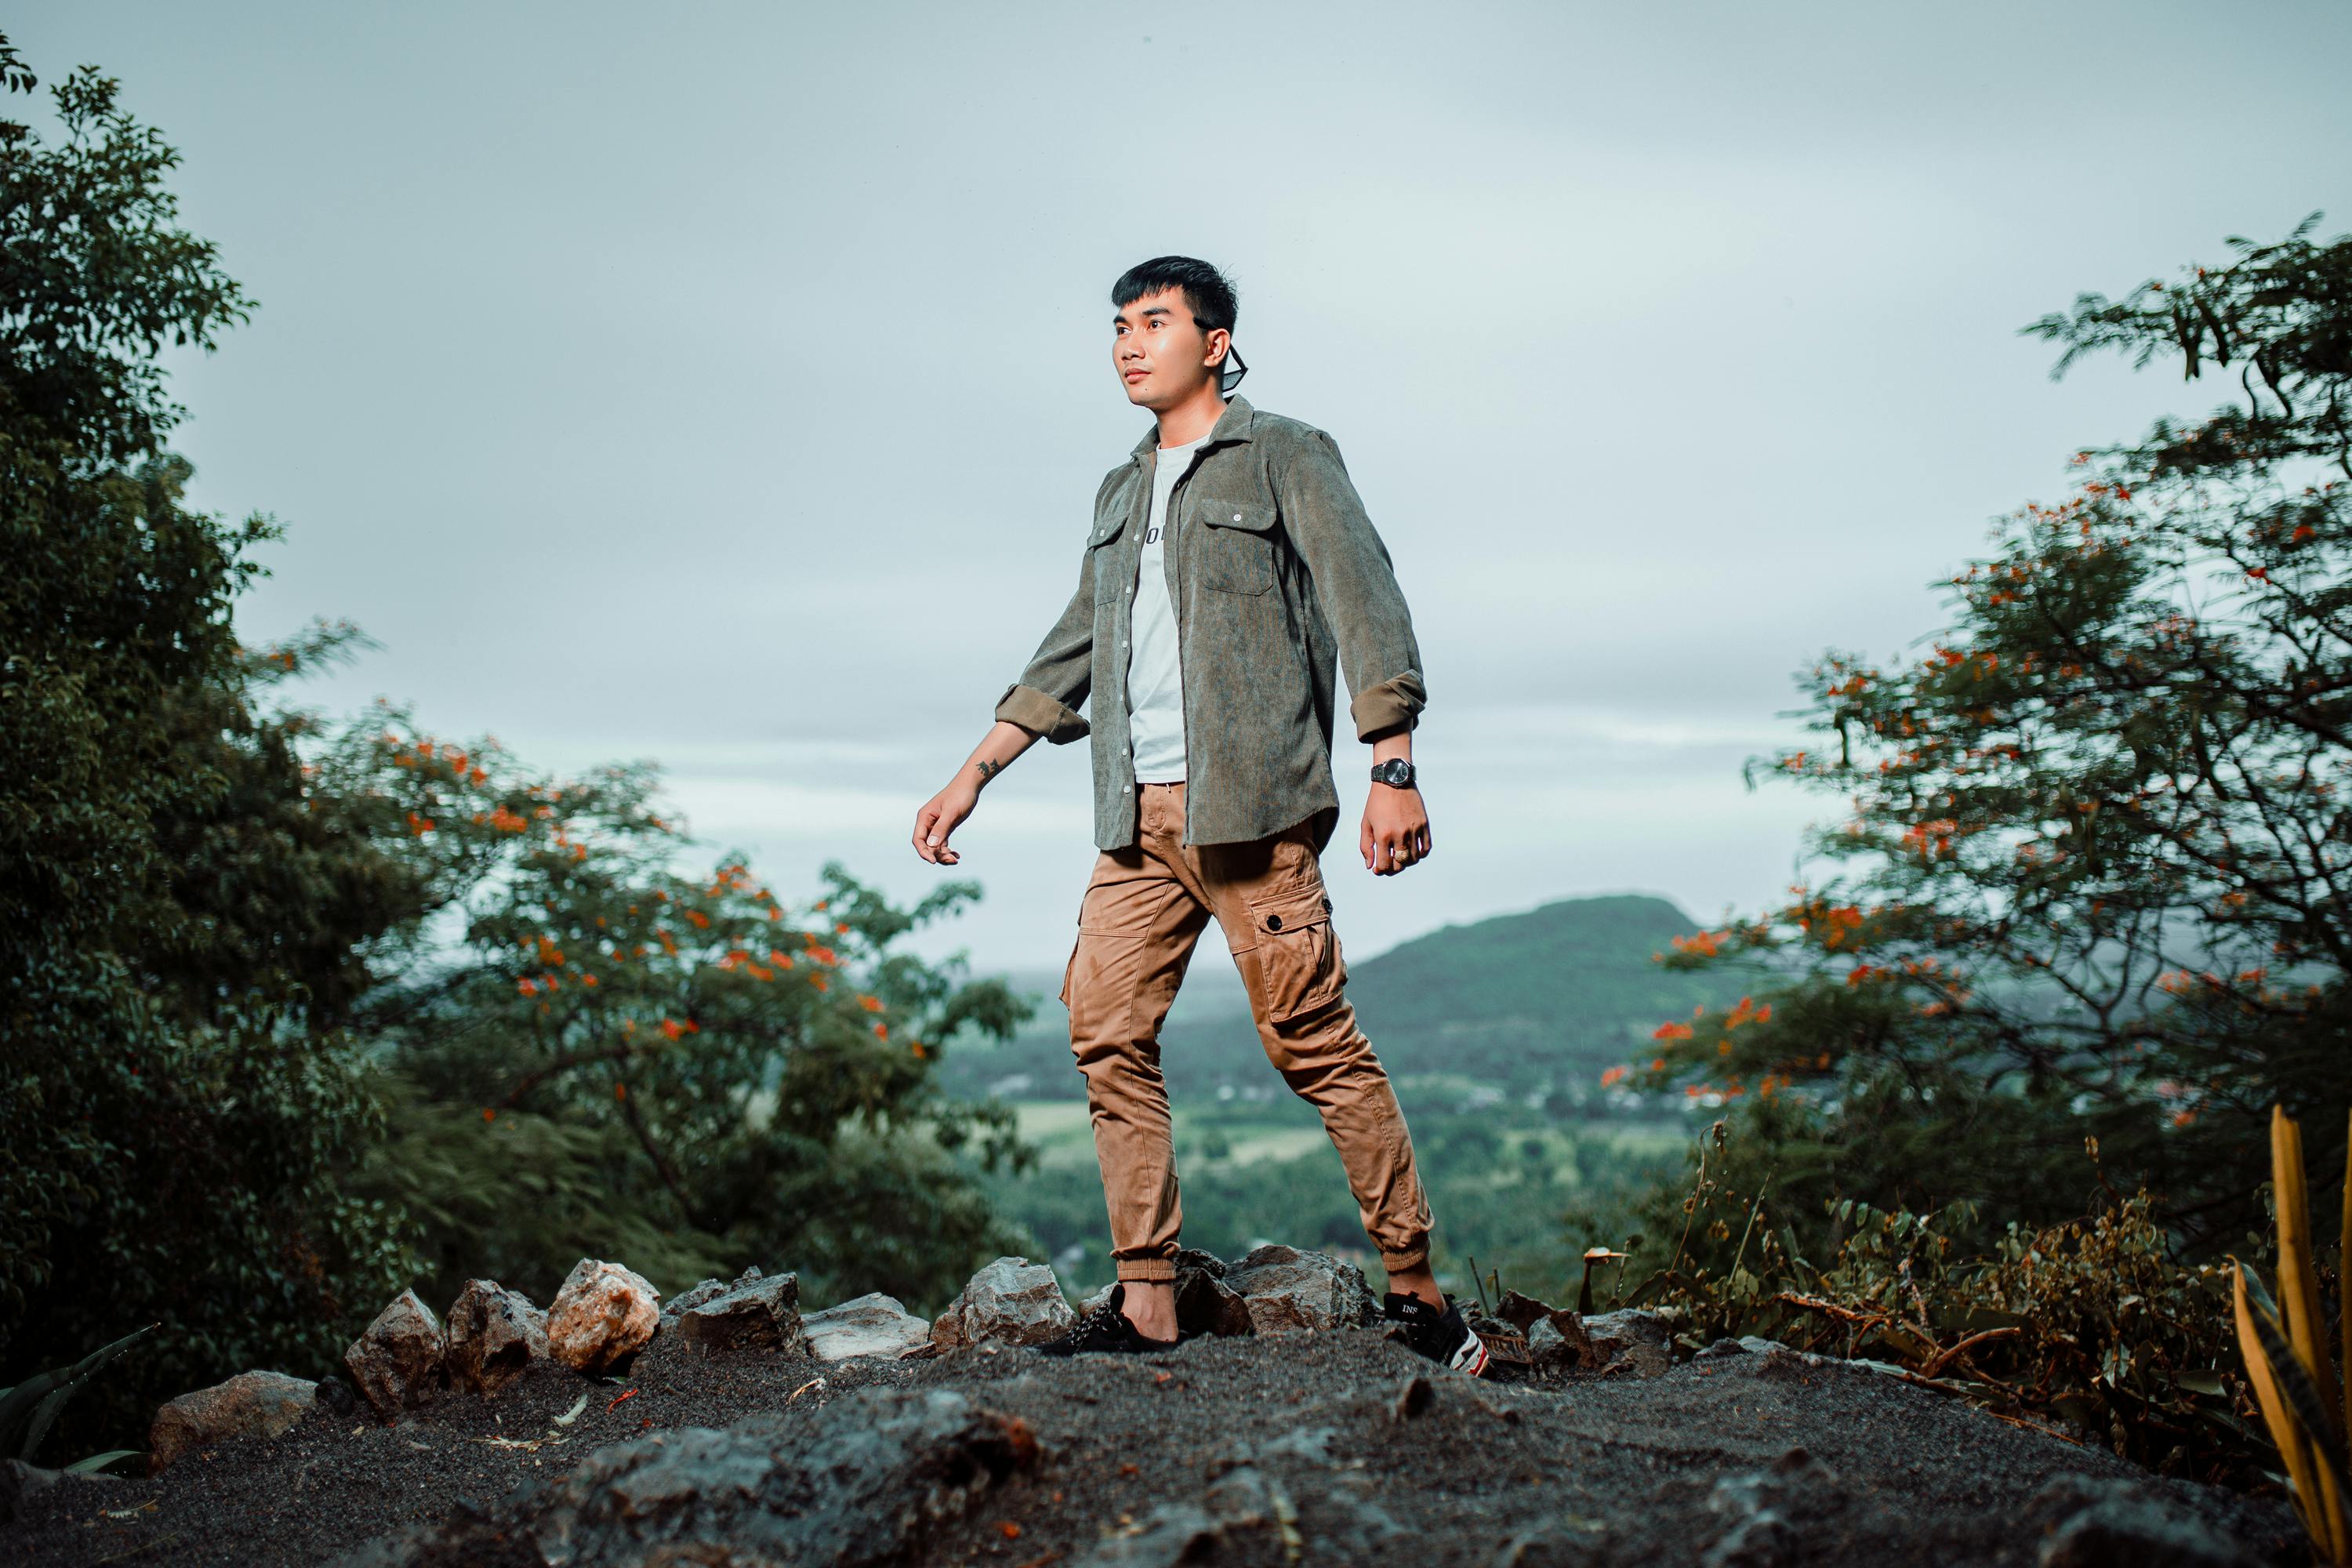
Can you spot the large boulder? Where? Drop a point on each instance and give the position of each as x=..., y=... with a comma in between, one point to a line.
x=1285, y=1288
x=1638, y=1338
x=765, y=1314
x=494, y=1335
x=604, y=1314
x=1013, y=1301
x=262, y=1404
x=871, y=1325
x=396, y=1364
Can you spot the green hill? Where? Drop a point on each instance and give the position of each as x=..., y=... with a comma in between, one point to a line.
x=1523, y=1000
x=1523, y=1003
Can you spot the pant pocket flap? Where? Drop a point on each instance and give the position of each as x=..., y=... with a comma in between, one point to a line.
x=1292, y=910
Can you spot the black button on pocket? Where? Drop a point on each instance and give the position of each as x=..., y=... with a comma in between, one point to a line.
x=1273, y=922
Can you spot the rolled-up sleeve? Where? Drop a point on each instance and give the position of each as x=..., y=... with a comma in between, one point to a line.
x=1355, y=583
x=1047, y=699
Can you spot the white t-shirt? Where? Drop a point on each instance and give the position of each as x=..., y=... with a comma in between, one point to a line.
x=1155, y=680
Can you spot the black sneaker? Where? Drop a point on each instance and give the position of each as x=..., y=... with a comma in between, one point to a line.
x=1106, y=1328
x=1442, y=1337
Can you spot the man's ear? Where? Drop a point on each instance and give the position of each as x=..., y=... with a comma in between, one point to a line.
x=1219, y=340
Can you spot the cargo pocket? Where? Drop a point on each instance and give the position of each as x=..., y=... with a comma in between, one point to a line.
x=1098, y=988
x=1298, y=953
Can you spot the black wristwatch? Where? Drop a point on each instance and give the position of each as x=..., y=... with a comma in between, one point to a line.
x=1395, y=771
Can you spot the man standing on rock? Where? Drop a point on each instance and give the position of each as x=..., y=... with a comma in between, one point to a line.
x=1229, y=562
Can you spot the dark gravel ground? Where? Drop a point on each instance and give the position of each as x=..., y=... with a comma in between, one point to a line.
x=1592, y=1470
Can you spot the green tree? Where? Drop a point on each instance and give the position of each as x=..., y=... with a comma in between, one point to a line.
x=177, y=916
x=683, y=1072
x=2097, y=881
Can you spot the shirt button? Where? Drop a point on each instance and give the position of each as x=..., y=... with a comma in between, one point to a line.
x=1273, y=922
x=1237, y=517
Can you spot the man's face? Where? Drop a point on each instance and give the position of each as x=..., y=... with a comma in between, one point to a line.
x=1160, y=351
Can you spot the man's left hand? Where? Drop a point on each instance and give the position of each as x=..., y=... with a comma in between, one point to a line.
x=1396, y=830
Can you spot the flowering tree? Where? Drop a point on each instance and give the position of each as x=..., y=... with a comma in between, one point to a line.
x=178, y=1109
x=2097, y=877
x=687, y=1072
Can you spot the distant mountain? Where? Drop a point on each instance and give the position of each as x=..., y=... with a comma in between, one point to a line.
x=1515, y=998
x=1539, y=1001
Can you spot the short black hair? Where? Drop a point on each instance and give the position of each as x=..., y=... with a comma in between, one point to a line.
x=1207, y=292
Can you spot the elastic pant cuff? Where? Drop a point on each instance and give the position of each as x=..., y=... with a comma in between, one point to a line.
x=1398, y=1262
x=1148, y=1270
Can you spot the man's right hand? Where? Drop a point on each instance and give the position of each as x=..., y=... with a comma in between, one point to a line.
x=939, y=816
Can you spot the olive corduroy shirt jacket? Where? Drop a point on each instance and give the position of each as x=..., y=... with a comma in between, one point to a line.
x=1275, y=571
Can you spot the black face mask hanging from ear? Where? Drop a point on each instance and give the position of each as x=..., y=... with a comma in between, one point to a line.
x=1230, y=374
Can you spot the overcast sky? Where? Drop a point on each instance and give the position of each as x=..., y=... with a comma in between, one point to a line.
x=729, y=385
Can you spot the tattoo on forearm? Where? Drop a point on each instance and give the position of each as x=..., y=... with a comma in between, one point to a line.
x=988, y=770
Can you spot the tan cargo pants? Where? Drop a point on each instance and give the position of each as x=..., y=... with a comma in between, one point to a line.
x=1145, y=907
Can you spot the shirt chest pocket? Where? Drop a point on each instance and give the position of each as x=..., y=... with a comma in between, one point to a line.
x=1103, y=552
x=1236, y=549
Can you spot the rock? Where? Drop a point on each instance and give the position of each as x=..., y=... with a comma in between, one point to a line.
x=706, y=1291
x=946, y=1328
x=1574, y=1335
x=1206, y=1304
x=1173, y=1534
x=762, y=1315
x=1013, y=1301
x=1634, y=1336
x=335, y=1396
x=1285, y=1288
x=252, y=1403
x=869, y=1480
x=603, y=1315
x=2125, y=1523
x=1522, y=1312
x=396, y=1364
x=1549, y=1350
x=1208, y=1263
x=494, y=1334
x=1286, y=1500
x=1746, y=1344
x=872, y=1325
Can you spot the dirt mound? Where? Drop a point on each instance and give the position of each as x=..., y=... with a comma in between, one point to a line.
x=1339, y=1447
